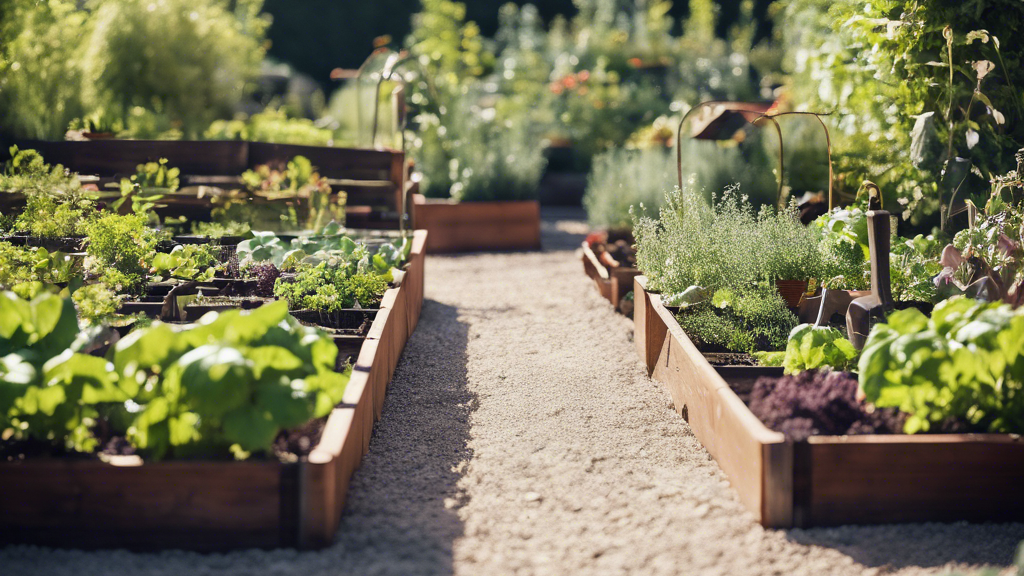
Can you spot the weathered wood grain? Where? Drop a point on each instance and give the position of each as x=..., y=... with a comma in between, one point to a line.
x=475, y=226
x=214, y=506
x=829, y=480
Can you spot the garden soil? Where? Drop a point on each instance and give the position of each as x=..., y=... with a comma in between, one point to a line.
x=521, y=436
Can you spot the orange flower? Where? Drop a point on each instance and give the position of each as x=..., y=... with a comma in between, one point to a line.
x=569, y=81
x=556, y=88
x=584, y=75
x=635, y=62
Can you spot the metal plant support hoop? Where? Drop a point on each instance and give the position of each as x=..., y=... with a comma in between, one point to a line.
x=770, y=116
x=394, y=60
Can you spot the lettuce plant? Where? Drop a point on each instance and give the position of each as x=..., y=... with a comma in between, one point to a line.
x=965, y=362
x=48, y=390
x=191, y=262
x=811, y=347
x=227, y=384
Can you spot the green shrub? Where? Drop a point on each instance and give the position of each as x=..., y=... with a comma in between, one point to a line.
x=147, y=69
x=724, y=245
x=20, y=265
x=271, y=125
x=189, y=60
x=476, y=155
x=623, y=182
x=40, y=76
x=45, y=217
x=940, y=82
x=26, y=172
x=118, y=248
x=97, y=304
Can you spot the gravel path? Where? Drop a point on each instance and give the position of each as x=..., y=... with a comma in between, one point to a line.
x=520, y=436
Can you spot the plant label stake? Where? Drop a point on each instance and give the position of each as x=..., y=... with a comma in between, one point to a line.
x=866, y=310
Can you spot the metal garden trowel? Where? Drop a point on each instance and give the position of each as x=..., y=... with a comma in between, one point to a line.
x=871, y=309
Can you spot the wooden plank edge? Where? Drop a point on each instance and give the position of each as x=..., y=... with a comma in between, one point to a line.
x=769, y=495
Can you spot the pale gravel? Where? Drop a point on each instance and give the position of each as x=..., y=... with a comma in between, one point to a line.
x=521, y=436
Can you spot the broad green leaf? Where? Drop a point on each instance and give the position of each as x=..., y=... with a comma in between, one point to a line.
x=274, y=358
x=216, y=380
x=250, y=428
x=289, y=406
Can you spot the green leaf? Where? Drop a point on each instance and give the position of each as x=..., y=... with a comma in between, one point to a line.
x=289, y=405
x=183, y=429
x=275, y=358
x=216, y=379
x=252, y=429
x=94, y=375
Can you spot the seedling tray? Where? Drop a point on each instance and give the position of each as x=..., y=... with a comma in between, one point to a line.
x=828, y=480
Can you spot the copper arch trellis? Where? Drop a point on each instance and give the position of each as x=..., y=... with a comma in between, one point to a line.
x=746, y=112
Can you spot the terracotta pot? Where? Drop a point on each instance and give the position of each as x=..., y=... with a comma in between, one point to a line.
x=791, y=291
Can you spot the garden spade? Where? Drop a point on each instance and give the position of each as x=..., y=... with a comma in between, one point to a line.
x=868, y=310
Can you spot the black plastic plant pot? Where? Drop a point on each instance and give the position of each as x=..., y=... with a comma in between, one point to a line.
x=165, y=246
x=193, y=312
x=68, y=244
x=348, y=319
x=234, y=286
x=348, y=346
x=160, y=289
x=151, y=307
x=222, y=241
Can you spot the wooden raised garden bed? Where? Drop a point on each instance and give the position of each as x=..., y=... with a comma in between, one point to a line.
x=612, y=283
x=372, y=179
x=828, y=480
x=208, y=505
x=477, y=226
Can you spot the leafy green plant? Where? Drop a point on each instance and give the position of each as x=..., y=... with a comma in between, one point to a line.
x=327, y=288
x=330, y=245
x=218, y=230
x=844, y=249
x=267, y=247
x=45, y=217
x=228, y=384
x=117, y=249
x=812, y=347
x=964, y=363
x=985, y=260
x=19, y=265
x=97, y=304
x=28, y=173
x=192, y=262
x=739, y=320
x=48, y=390
x=271, y=125
x=292, y=198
